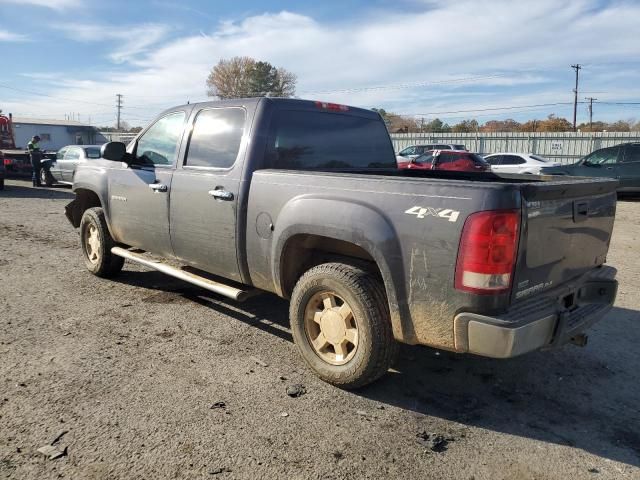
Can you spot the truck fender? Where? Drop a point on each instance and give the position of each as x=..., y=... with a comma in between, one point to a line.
x=91, y=179
x=354, y=222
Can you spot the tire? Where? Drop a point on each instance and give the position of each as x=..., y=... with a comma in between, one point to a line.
x=353, y=359
x=96, y=243
x=46, y=178
x=1, y=183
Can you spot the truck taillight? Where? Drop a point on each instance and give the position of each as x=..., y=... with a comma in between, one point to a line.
x=487, y=253
x=332, y=106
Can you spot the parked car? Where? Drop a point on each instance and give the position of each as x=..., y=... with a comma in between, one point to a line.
x=518, y=162
x=67, y=159
x=621, y=162
x=416, y=150
x=455, y=160
x=2, y=171
x=303, y=199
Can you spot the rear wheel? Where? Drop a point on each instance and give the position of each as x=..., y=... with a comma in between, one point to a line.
x=340, y=323
x=1, y=183
x=96, y=243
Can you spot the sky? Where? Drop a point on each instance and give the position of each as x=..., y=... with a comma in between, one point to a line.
x=451, y=59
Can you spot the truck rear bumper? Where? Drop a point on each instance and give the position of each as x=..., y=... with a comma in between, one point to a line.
x=542, y=323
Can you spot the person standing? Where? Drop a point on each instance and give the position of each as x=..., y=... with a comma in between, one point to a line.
x=36, y=156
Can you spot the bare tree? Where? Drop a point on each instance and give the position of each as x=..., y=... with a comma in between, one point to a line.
x=240, y=77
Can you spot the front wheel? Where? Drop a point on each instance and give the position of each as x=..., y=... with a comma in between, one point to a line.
x=46, y=178
x=96, y=243
x=340, y=322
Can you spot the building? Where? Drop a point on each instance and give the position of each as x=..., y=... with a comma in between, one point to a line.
x=54, y=134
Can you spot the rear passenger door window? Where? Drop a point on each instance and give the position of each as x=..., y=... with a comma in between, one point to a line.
x=629, y=168
x=632, y=154
x=512, y=160
x=216, y=138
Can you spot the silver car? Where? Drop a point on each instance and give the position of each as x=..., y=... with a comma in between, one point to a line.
x=67, y=159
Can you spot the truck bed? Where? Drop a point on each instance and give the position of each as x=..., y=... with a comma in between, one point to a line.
x=410, y=223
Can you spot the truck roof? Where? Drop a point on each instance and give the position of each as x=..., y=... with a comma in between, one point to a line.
x=297, y=103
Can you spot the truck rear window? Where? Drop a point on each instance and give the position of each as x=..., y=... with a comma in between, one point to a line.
x=307, y=140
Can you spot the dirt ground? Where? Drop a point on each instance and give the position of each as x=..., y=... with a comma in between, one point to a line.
x=130, y=369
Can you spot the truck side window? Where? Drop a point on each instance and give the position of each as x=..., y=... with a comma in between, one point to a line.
x=215, y=139
x=159, y=144
x=310, y=140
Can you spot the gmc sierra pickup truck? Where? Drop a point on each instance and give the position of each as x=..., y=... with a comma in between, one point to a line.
x=303, y=199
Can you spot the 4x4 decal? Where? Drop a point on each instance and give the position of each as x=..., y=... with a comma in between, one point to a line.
x=421, y=212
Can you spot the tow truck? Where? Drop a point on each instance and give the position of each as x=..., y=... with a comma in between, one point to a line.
x=16, y=161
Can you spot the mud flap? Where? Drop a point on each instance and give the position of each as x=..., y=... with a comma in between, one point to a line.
x=72, y=211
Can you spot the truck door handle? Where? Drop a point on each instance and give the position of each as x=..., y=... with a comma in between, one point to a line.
x=221, y=194
x=158, y=187
x=580, y=211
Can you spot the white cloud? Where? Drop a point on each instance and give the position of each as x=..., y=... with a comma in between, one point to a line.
x=7, y=36
x=529, y=46
x=53, y=4
x=131, y=41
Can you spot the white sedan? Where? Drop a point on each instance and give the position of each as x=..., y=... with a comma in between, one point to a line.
x=518, y=163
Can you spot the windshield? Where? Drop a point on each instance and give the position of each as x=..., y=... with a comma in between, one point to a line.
x=459, y=147
x=305, y=140
x=92, y=152
x=539, y=158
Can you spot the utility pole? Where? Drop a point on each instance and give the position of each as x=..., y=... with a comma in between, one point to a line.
x=591, y=100
x=119, y=107
x=577, y=68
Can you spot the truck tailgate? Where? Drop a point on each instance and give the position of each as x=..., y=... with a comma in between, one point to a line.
x=565, y=233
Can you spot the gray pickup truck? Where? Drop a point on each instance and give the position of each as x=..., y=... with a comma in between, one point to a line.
x=303, y=199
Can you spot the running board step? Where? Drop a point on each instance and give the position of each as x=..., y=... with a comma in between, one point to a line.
x=202, y=282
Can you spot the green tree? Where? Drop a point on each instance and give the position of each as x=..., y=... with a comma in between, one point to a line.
x=465, y=126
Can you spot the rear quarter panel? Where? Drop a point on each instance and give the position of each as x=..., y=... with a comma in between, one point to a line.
x=410, y=227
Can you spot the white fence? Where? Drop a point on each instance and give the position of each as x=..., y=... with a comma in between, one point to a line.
x=565, y=147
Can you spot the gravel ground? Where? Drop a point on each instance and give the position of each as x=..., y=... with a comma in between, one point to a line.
x=130, y=369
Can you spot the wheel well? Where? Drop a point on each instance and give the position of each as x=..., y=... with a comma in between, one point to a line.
x=85, y=199
x=302, y=252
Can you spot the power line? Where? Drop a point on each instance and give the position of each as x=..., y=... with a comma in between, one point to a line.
x=52, y=96
x=577, y=68
x=491, y=109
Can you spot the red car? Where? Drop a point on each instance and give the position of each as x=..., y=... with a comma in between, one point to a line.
x=454, y=160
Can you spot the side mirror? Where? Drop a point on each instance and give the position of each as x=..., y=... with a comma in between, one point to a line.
x=113, y=151
x=413, y=160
